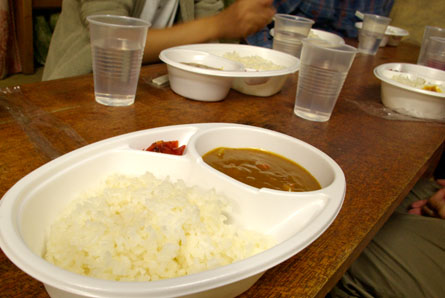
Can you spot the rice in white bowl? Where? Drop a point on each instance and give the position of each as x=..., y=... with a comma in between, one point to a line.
x=253, y=61
x=418, y=82
x=142, y=228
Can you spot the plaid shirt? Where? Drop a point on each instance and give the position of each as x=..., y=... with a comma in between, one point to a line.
x=337, y=16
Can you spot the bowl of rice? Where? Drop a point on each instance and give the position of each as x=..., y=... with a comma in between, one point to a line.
x=413, y=90
x=265, y=70
x=112, y=219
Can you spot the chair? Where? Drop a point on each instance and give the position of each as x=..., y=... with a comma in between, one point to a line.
x=23, y=10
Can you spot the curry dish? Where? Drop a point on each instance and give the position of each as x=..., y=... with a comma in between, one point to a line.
x=260, y=168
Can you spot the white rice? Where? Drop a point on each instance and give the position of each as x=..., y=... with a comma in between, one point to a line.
x=404, y=79
x=313, y=35
x=417, y=82
x=254, y=62
x=142, y=228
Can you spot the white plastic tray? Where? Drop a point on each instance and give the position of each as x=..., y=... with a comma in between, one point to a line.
x=409, y=100
x=257, y=83
x=294, y=219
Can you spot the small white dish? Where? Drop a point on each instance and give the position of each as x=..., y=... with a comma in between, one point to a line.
x=402, y=91
x=393, y=35
x=294, y=219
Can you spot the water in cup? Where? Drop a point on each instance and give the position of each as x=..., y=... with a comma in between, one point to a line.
x=372, y=33
x=288, y=42
x=434, y=55
x=117, y=45
x=289, y=30
x=323, y=70
x=116, y=67
x=429, y=33
x=369, y=41
x=436, y=62
x=317, y=106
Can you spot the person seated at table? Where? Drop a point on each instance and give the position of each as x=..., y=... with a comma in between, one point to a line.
x=196, y=21
x=336, y=16
x=406, y=258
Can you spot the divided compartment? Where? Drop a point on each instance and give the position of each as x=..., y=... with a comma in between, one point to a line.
x=279, y=213
x=55, y=184
x=243, y=136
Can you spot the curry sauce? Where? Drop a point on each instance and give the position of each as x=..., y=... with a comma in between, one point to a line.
x=260, y=168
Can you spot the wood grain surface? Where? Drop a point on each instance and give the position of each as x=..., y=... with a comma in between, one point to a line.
x=382, y=158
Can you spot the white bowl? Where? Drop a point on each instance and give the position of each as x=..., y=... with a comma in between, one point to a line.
x=393, y=35
x=257, y=83
x=410, y=100
x=328, y=36
x=321, y=34
x=294, y=219
x=199, y=83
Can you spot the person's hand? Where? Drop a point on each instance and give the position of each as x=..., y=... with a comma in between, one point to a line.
x=434, y=206
x=237, y=21
x=245, y=17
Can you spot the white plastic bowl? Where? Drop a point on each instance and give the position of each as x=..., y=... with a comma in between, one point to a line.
x=393, y=35
x=195, y=82
x=328, y=36
x=321, y=34
x=294, y=219
x=257, y=83
x=409, y=100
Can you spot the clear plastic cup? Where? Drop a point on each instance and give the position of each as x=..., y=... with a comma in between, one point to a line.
x=435, y=53
x=428, y=33
x=289, y=31
x=372, y=33
x=117, y=46
x=324, y=67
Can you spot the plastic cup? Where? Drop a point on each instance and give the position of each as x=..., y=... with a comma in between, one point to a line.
x=428, y=33
x=117, y=46
x=289, y=31
x=324, y=67
x=372, y=33
x=435, y=53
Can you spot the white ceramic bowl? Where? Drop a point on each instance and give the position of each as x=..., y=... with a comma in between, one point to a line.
x=321, y=34
x=204, y=84
x=294, y=219
x=393, y=35
x=410, y=100
x=257, y=83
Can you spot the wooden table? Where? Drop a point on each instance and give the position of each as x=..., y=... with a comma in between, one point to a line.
x=381, y=158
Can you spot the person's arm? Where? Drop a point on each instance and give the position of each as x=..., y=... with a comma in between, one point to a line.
x=239, y=20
